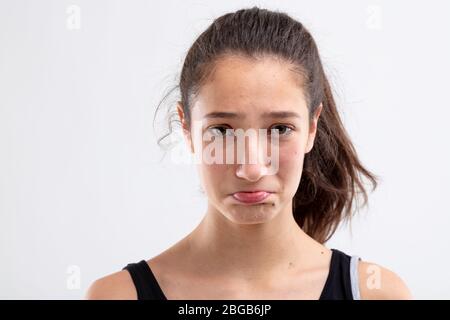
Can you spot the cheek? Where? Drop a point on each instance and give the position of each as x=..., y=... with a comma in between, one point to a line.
x=291, y=163
x=214, y=170
x=291, y=156
x=212, y=175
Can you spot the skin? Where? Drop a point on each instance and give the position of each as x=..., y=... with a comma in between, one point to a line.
x=241, y=251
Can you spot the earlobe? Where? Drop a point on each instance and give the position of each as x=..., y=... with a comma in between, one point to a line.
x=310, y=143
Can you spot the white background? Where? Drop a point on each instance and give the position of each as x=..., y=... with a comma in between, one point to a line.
x=83, y=191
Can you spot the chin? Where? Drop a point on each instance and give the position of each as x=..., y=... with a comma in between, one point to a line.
x=251, y=214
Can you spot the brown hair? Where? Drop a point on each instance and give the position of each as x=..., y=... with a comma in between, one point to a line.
x=331, y=176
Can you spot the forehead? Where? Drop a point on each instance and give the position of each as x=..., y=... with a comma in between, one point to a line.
x=245, y=85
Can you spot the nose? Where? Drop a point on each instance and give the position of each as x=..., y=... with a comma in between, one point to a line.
x=255, y=165
x=251, y=172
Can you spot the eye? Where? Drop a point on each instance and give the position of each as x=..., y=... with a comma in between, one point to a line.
x=282, y=129
x=221, y=131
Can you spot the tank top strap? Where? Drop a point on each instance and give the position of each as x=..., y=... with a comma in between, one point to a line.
x=342, y=282
x=144, y=280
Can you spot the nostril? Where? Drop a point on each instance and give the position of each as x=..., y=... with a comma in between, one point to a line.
x=251, y=172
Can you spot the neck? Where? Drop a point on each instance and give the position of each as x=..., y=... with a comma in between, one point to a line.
x=249, y=250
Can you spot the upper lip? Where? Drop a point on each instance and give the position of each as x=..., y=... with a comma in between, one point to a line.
x=258, y=190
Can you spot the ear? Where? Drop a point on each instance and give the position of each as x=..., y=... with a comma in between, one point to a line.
x=186, y=130
x=313, y=129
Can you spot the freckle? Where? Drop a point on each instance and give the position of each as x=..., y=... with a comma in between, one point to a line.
x=321, y=252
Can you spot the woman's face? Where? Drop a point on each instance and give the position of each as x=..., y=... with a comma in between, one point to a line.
x=252, y=90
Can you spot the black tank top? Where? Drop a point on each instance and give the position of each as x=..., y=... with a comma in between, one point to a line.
x=338, y=285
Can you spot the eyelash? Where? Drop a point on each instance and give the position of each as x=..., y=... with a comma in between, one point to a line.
x=269, y=132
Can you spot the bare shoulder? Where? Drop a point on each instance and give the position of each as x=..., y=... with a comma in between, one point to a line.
x=379, y=283
x=116, y=286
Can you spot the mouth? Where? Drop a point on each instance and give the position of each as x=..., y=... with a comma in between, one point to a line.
x=251, y=196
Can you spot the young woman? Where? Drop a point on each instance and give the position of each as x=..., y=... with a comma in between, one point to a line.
x=263, y=234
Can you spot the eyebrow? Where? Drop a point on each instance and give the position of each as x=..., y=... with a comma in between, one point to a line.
x=272, y=114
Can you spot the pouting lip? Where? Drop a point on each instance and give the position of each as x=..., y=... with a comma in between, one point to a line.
x=250, y=198
x=252, y=191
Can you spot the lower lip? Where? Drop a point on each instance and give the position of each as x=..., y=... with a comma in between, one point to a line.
x=251, y=197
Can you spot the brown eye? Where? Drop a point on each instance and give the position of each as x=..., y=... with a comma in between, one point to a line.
x=221, y=131
x=283, y=130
